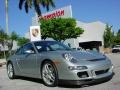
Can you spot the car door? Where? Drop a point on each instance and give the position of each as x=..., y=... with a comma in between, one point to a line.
x=27, y=60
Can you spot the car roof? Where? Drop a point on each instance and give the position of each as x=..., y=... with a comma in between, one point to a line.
x=43, y=41
x=32, y=42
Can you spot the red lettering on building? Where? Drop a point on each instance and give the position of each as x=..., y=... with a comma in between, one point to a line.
x=53, y=15
x=62, y=13
x=58, y=13
x=48, y=16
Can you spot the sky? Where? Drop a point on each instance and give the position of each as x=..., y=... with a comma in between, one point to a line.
x=106, y=11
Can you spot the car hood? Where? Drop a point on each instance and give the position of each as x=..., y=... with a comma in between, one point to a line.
x=88, y=55
x=84, y=55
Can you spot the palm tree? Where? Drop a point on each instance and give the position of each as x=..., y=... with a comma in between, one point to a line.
x=36, y=4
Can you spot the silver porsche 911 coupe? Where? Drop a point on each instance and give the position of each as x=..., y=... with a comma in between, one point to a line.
x=55, y=62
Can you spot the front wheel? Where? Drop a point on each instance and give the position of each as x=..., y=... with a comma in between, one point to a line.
x=49, y=74
x=10, y=71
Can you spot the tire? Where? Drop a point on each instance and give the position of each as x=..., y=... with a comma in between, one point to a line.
x=10, y=71
x=49, y=74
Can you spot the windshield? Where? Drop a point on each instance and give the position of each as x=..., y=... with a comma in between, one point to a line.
x=50, y=46
x=58, y=46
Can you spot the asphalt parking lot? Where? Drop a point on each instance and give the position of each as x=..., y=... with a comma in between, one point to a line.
x=36, y=84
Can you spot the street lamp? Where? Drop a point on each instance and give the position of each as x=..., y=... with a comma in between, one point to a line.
x=6, y=13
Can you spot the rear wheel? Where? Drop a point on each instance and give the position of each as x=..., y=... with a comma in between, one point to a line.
x=10, y=71
x=49, y=74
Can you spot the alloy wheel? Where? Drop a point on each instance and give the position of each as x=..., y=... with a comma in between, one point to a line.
x=49, y=74
x=10, y=71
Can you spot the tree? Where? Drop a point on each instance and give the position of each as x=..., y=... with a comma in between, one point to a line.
x=21, y=41
x=7, y=40
x=108, y=37
x=3, y=38
x=117, y=38
x=60, y=29
x=36, y=4
x=118, y=31
x=12, y=37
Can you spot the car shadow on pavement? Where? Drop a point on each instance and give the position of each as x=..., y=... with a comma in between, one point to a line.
x=86, y=85
x=30, y=79
x=60, y=84
x=81, y=86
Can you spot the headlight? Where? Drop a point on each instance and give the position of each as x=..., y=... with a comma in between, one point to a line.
x=77, y=67
x=69, y=57
x=104, y=56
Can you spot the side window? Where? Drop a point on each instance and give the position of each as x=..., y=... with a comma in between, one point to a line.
x=40, y=46
x=28, y=47
x=18, y=52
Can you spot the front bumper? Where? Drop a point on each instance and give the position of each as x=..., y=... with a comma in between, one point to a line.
x=97, y=71
x=93, y=72
x=85, y=82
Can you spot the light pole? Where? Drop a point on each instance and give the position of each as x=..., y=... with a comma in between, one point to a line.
x=6, y=13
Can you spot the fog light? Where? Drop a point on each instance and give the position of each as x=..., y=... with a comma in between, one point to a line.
x=82, y=74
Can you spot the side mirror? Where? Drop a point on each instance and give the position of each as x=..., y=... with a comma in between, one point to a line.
x=29, y=52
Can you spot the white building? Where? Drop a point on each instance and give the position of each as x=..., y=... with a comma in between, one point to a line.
x=93, y=32
x=92, y=36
